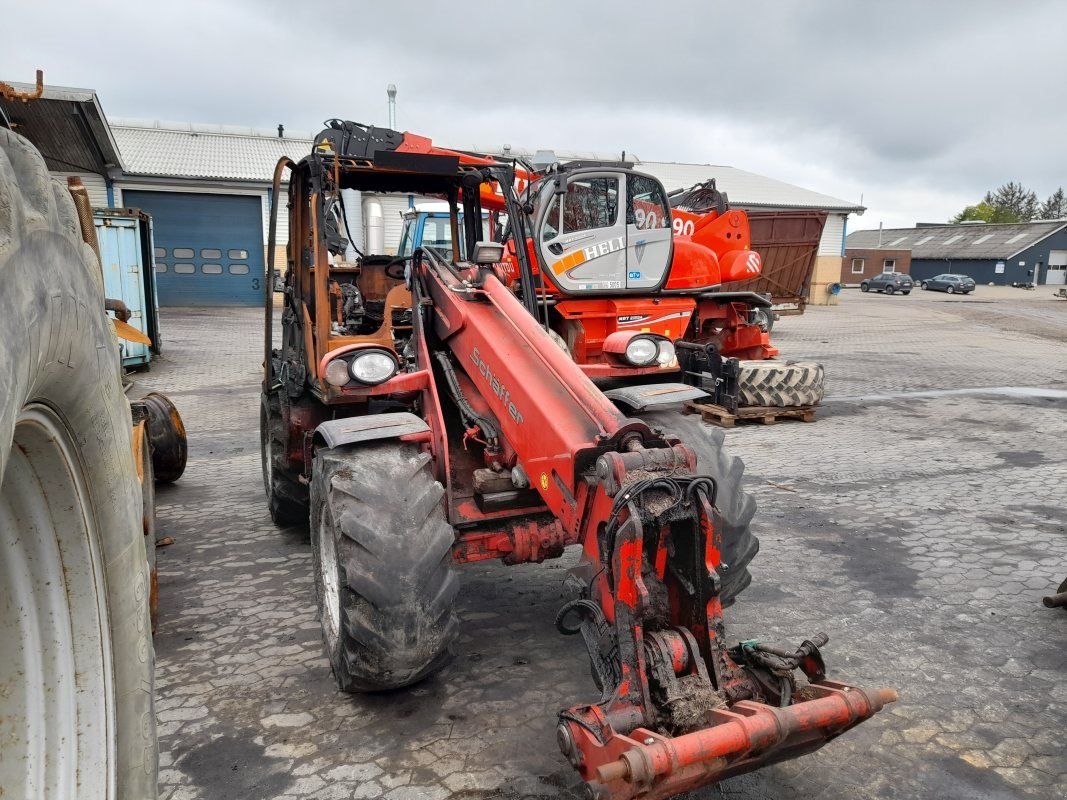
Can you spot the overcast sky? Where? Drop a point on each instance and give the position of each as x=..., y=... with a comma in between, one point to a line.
x=917, y=106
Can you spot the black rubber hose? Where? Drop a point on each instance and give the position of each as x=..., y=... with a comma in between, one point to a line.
x=489, y=426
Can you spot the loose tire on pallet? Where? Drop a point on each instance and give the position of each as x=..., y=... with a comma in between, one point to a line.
x=287, y=497
x=76, y=710
x=735, y=506
x=384, y=576
x=780, y=384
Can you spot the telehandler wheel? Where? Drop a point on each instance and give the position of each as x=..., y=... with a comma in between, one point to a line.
x=384, y=576
x=76, y=708
x=781, y=384
x=764, y=319
x=287, y=498
x=735, y=505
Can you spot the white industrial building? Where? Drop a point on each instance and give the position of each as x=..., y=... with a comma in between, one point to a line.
x=208, y=189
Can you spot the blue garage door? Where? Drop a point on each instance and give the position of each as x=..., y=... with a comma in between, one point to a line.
x=209, y=247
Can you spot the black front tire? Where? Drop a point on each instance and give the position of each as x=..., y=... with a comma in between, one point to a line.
x=384, y=576
x=865, y=287
x=735, y=506
x=924, y=286
x=287, y=497
x=949, y=290
x=889, y=290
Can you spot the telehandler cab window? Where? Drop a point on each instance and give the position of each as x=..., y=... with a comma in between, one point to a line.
x=590, y=203
x=646, y=205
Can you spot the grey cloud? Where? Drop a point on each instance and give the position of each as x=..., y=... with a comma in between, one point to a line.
x=960, y=95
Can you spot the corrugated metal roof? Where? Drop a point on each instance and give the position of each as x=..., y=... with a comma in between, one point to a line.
x=204, y=151
x=234, y=153
x=959, y=241
x=745, y=189
x=69, y=128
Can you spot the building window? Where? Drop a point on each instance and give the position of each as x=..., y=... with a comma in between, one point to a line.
x=185, y=269
x=238, y=255
x=211, y=269
x=238, y=269
x=889, y=265
x=210, y=252
x=857, y=266
x=184, y=252
x=160, y=252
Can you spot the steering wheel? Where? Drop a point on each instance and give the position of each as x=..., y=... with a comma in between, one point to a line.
x=391, y=271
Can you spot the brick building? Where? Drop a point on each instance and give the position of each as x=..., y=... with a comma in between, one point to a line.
x=862, y=263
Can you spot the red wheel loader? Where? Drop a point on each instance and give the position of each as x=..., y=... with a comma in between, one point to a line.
x=420, y=416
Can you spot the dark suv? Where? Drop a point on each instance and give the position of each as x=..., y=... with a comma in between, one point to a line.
x=964, y=284
x=888, y=282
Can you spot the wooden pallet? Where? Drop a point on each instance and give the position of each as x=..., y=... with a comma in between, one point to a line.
x=768, y=415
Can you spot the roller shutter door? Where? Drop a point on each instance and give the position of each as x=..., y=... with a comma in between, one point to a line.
x=209, y=247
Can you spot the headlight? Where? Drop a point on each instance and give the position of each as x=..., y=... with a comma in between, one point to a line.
x=372, y=367
x=666, y=353
x=337, y=372
x=641, y=351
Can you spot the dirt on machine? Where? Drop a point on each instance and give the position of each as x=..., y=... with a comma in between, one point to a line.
x=420, y=414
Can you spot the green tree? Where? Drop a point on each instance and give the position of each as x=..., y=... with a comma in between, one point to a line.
x=1016, y=198
x=986, y=212
x=1055, y=207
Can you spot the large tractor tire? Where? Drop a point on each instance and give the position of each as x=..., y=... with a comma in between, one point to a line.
x=384, y=575
x=736, y=507
x=781, y=384
x=76, y=707
x=287, y=498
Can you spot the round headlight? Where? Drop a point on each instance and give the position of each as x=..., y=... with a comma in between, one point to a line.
x=372, y=367
x=337, y=372
x=666, y=353
x=641, y=351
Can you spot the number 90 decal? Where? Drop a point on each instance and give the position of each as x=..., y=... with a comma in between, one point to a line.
x=683, y=227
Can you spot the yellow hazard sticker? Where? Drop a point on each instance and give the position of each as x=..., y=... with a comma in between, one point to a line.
x=544, y=480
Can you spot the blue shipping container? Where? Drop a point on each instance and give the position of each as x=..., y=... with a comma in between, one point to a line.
x=125, y=238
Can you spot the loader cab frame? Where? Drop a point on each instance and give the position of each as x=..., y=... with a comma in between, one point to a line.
x=334, y=304
x=602, y=229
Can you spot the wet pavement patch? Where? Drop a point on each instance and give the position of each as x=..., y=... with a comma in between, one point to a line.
x=234, y=766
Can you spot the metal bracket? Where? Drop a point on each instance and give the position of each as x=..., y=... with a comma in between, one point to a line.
x=703, y=366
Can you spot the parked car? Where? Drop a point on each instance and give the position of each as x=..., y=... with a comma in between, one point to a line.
x=953, y=284
x=888, y=282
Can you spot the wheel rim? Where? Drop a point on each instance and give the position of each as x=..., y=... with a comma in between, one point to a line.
x=329, y=577
x=57, y=717
x=950, y=290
